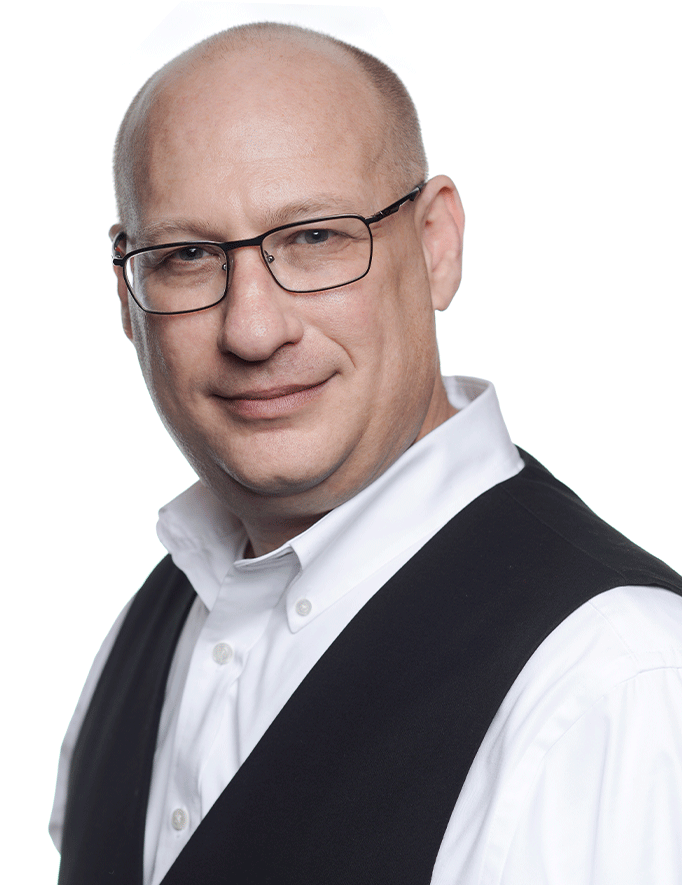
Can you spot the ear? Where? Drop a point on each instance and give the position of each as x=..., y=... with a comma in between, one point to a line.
x=441, y=219
x=114, y=232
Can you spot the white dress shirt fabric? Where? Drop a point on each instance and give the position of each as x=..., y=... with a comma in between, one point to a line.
x=585, y=753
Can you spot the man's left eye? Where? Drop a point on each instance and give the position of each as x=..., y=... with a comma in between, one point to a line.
x=314, y=236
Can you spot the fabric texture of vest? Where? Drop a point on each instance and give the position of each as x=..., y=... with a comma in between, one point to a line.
x=356, y=778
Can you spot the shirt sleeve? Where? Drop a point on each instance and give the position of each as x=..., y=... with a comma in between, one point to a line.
x=579, y=778
x=606, y=804
x=56, y=824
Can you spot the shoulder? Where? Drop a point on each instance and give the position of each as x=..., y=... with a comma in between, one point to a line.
x=612, y=640
x=615, y=639
x=645, y=621
x=585, y=753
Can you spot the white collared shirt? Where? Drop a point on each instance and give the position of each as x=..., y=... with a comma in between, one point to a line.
x=259, y=625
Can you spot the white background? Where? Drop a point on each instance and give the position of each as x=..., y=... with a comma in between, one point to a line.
x=561, y=125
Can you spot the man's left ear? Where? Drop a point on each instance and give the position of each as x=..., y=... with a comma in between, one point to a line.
x=441, y=219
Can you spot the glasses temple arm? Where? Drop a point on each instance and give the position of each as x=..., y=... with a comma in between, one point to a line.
x=390, y=210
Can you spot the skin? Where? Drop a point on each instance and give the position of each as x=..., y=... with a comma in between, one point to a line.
x=288, y=405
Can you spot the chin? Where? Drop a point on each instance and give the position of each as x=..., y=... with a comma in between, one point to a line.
x=249, y=472
x=278, y=486
x=240, y=485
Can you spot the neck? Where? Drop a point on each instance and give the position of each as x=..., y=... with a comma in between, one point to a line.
x=265, y=537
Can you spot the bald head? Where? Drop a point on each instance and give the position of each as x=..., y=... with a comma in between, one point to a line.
x=383, y=120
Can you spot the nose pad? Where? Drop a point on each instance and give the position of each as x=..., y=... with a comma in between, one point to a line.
x=229, y=262
x=227, y=266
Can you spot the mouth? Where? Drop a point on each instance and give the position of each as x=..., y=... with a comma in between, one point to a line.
x=273, y=402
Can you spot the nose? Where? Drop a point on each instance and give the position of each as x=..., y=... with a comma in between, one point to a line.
x=259, y=317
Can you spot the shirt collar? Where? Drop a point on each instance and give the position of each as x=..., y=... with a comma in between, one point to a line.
x=431, y=482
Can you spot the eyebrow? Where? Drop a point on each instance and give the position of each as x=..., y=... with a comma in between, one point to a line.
x=319, y=207
x=181, y=229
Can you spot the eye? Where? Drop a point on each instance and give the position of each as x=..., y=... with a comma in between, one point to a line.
x=192, y=257
x=188, y=253
x=313, y=236
x=182, y=261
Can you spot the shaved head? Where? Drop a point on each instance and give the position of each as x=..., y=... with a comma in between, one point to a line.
x=387, y=122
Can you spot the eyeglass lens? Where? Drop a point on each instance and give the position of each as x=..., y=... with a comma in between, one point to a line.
x=304, y=258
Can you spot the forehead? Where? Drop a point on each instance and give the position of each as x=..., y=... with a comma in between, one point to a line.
x=258, y=127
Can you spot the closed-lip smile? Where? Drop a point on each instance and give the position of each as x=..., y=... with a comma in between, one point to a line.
x=273, y=392
x=272, y=402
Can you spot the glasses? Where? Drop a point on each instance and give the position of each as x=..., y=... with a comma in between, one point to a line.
x=303, y=257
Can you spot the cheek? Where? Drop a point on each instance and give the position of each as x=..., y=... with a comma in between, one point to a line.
x=401, y=321
x=149, y=348
x=167, y=353
x=386, y=321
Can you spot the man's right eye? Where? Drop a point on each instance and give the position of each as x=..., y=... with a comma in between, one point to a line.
x=188, y=253
x=184, y=258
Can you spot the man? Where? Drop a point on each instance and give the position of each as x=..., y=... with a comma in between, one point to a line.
x=386, y=646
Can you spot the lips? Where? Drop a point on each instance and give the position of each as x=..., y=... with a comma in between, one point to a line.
x=273, y=402
x=274, y=392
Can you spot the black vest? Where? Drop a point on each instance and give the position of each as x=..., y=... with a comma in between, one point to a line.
x=355, y=780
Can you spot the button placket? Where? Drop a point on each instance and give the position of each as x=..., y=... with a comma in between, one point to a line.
x=232, y=626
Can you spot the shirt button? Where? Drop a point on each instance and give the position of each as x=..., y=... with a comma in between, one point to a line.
x=179, y=819
x=304, y=607
x=222, y=653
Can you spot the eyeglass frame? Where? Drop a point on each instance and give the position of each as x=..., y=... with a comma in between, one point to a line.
x=120, y=260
